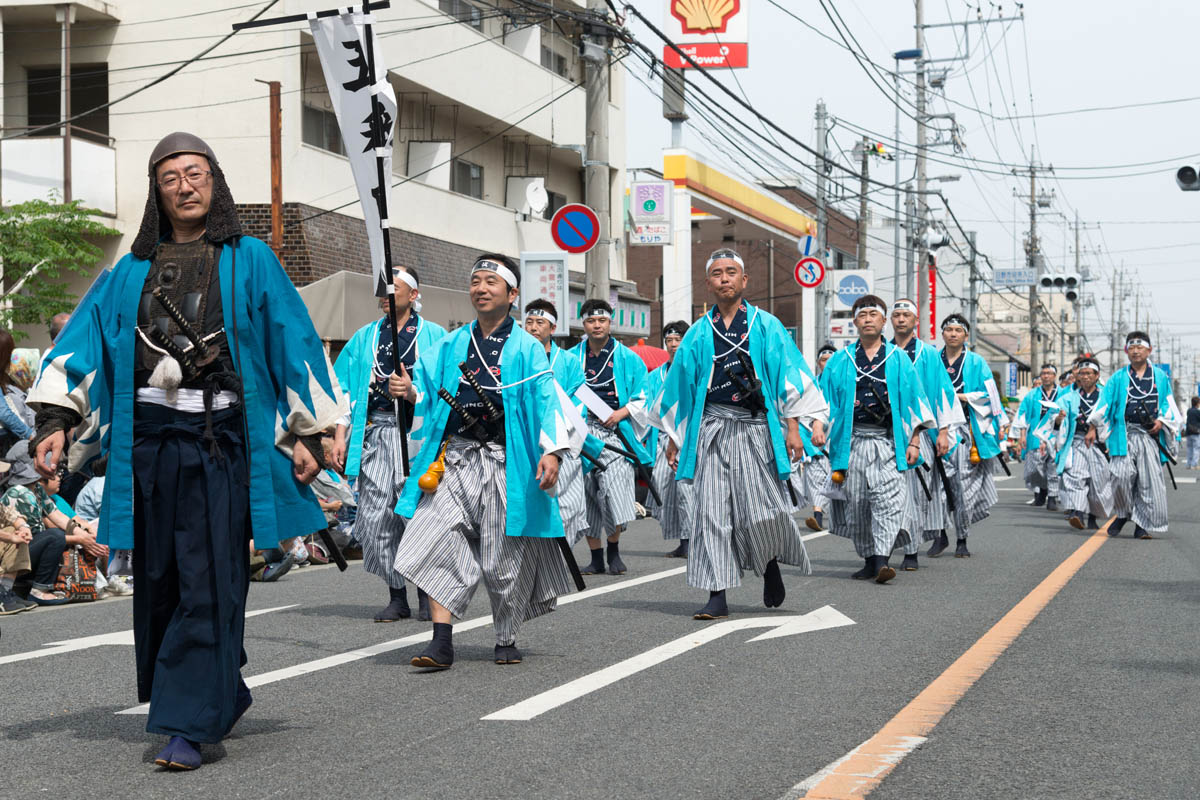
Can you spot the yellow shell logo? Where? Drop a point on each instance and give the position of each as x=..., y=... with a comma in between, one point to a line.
x=704, y=16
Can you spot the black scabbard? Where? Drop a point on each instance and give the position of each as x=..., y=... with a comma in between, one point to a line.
x=334, y=551
x=641, y=469
x=951, y=503
x=569, y=557
x=924, y=486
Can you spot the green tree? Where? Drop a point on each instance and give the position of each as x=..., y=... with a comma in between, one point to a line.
x=41, y=242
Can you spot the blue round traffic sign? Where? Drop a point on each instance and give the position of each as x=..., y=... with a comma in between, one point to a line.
x=575, y=228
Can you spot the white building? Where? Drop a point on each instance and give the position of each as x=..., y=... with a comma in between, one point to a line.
x=476, y=124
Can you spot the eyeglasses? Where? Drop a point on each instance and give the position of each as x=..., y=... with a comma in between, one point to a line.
x=197, y=178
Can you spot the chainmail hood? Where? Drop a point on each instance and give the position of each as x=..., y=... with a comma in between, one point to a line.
x=222, y=224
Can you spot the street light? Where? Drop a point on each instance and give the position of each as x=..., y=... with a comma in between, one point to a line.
x=899, y=55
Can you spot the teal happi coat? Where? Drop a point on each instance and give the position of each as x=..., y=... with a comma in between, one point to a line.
x=789, y=392
x=1032, y=414
x=1109, y=414
x=1069, y=403
x=534, y=424
x=939, y=391
x=629, y=377
x=654, y=385
x=980, y=388
x=354, y=369
x=288, y=386
x=801, y=363
x=910, y=412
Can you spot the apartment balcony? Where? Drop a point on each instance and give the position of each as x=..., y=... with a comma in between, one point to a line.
x=32, y=169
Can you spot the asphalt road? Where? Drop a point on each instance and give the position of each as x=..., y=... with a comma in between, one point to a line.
x=1097, y=698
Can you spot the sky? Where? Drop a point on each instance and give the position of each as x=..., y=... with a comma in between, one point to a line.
x=1062, y=56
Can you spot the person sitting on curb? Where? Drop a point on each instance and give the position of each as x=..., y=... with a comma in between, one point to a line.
x=15, y=537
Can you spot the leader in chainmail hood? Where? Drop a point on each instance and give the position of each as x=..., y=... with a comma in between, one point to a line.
x=206, y=456
x=222, y=223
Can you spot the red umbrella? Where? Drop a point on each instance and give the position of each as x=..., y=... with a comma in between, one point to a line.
x=653, y=357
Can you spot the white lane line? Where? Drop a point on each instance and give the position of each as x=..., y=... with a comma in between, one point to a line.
x=820, y=619
x=361, y=653
x=100, y=640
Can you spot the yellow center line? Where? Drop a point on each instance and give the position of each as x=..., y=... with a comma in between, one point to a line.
x=867, y=765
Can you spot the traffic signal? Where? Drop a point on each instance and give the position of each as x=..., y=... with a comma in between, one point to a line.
x=1187, y=179
x=1069, y=283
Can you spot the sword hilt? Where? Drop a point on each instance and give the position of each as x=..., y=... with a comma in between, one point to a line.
x=493, y=412
x=203, y=350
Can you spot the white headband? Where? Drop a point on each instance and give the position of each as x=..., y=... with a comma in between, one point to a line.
x=723, y=255
x=498, y=268
x=599, y=312
x=543, y=313
x=903, y=305
x=409, y=279
x=1088, y=364
x=882, y=311
x=1136, y=342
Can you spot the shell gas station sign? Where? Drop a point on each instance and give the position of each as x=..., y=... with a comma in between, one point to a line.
x=714, y=33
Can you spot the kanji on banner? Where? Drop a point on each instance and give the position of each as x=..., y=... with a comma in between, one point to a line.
x=366, y=117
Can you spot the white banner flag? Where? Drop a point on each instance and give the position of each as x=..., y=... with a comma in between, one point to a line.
x=366, y=117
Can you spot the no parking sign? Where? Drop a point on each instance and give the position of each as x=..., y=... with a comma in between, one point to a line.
x=575, y=228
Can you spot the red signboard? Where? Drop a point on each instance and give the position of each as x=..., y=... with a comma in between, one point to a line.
x=709, y=55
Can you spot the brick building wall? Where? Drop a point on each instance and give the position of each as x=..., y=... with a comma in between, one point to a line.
x=316, y=247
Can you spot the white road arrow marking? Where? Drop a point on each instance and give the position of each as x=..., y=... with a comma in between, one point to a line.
x=824, y=617
x=361, y=653
x=100, y=640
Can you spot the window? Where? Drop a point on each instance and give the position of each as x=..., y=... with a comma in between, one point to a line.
x=555, y=62
x=462, y=11
x=557, y=201
x=467, y=178
x=319, y=128
x=89, y=89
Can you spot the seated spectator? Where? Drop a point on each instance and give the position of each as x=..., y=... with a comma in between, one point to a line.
x=268, y=566
x=16, y=419
x=52, y=530
x=336, y=498
x=119, y=570
x=14, y=559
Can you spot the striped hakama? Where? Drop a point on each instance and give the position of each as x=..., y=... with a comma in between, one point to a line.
x=814, y=478
x=1041, y=473
x=974, y=484
x=927, y=515
x=610, y=493
x=1086, y=484
x=456, y=538
x=571, y=499
x=378, y=528
x=743, y=516
x=1139, y=490
x=678, y=509
x=874, y=500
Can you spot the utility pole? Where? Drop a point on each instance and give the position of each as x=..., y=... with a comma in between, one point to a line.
x=1032, y=260
x=864, y=167
x=771, y=276
x=972, y=289
x=909, y=238
x=1112, y=317
x=597, y=177
x=1062, y=341
x=276, y=169
x=922, y=207
x=66, y=15
x=823, y=314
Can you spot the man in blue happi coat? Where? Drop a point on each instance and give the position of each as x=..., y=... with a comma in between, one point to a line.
x=732, y=406
x=1137, y=418
x=678, y=502
x=616, y=376
x=1083, y=469
x=194, y=365
x=927, y=512
x=372, y=454
x=487, y=407
x=877, y=410
x=1041, y=476
x=541, y=319
x=975, y=443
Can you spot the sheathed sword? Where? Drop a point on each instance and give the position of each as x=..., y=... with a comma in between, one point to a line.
x=1167, y=455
